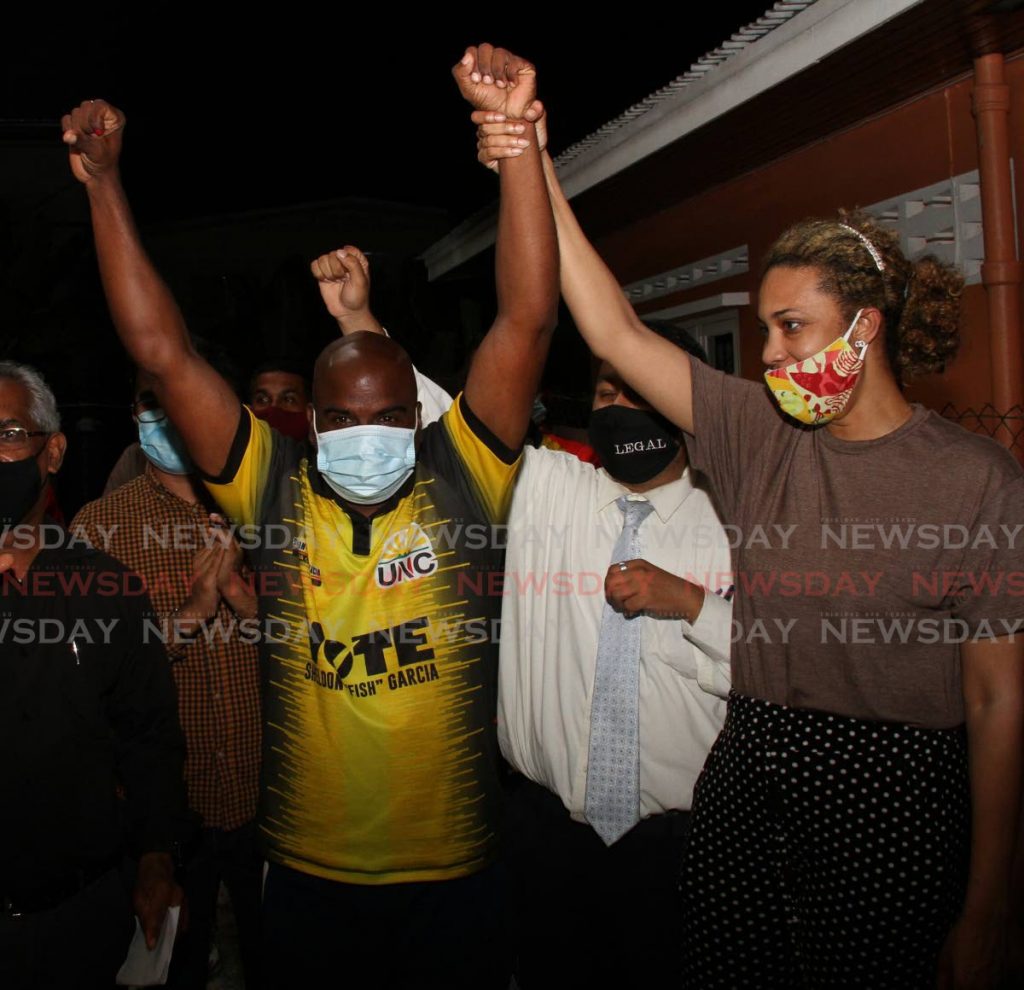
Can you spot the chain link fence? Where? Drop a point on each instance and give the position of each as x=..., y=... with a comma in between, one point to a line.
x=1006, y=427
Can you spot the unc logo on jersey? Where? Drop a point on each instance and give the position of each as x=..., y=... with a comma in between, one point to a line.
x=407, y=556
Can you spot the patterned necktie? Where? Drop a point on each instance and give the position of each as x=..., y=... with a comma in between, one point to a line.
x=613, y=771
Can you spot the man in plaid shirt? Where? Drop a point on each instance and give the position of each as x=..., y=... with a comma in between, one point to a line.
x=160, y=526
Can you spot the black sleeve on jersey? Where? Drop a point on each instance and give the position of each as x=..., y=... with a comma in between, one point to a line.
x=483, y=433
x=235, y=454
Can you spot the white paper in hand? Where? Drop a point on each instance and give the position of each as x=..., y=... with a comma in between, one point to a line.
x=145, y=968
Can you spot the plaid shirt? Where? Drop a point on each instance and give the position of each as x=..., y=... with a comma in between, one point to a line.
x=156, y=534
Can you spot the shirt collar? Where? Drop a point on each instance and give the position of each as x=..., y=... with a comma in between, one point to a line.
x=666, y=499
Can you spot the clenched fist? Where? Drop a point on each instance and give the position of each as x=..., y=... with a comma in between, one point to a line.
x=344, y=278
x=494, y=79
x=92, y=132
x=636, y=586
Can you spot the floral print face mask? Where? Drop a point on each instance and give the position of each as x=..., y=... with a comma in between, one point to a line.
x=818, y=388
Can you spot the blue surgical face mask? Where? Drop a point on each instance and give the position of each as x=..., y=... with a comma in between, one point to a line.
x=366, y=464
x=161, y=444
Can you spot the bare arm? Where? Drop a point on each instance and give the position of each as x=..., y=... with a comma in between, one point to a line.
x=344, y=280
x=655, y=368
x=993, y=685
x=506, y=370
x=343, y=276
x=199, y=402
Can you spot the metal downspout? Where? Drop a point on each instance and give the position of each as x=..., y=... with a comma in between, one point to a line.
x=1001, y=272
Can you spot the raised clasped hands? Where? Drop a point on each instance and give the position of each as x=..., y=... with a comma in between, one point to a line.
x=496, y=80
x=216, y=574
x=230, y=582
x=497, y=137
x=93, y=132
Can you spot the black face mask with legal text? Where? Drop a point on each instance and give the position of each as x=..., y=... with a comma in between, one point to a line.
x=634, y=444
x=19, y=489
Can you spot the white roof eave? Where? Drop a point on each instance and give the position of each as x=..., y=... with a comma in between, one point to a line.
x=723, y=82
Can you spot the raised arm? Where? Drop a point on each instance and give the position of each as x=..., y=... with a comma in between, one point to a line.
x=199, y=402
x=344, y=280
x=654, y=367
x=343, y=276
x=507, y=366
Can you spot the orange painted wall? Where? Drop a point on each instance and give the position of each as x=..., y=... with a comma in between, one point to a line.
x=915, y=145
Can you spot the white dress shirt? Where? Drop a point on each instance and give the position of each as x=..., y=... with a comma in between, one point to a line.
x=562, y=529
x=434, y=400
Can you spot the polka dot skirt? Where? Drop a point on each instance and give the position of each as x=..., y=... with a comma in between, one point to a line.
x=825, y=851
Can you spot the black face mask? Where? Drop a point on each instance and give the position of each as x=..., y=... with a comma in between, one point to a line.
x=19, y=488
x=634, y=445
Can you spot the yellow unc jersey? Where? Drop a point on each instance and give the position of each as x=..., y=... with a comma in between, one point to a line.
x=379, y=655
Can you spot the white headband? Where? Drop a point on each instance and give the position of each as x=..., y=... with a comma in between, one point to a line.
x=872, y=250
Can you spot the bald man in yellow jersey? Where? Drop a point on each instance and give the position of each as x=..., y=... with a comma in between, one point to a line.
x=379, y=797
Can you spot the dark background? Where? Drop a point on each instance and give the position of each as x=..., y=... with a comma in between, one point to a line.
x=258, y=139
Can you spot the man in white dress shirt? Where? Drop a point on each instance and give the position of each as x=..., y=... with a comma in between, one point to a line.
x=581, y=911
x=587, y=913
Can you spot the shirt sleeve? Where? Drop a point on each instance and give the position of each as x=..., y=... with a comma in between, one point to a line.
x=434, y=400
x=489, y=466
x=736, y=425
x=240, y=487
x=710, y=635
x=989, y=595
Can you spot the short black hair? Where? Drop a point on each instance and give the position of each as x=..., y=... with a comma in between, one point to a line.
x=285, y=364
x=678, y=336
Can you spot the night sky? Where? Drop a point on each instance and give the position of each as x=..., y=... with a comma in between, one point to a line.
x=229, y=110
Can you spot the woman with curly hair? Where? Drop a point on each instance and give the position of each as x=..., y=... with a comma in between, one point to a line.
x=855, y=820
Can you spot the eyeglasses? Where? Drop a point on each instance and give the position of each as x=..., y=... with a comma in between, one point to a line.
x=17, y=437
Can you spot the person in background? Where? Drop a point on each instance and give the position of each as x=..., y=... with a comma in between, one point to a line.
x=133, y=462
x=554, y=435
x=91, y=777
x=163, y=526
x=279, y=394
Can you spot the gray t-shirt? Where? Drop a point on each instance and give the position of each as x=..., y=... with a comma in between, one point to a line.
x=859, y=566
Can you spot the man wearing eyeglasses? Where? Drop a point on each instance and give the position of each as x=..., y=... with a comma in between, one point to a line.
x=164, y=526
x=92, y=749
